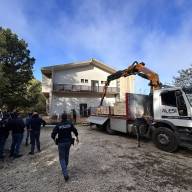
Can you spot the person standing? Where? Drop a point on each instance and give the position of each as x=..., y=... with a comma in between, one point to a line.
x=64, y=141
x=35, y=128
x=27, y=124
x=4, y=133
x=74, y=114
x=16, y=125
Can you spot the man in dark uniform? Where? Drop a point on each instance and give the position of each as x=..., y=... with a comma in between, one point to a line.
x=64, y=141
x=35, y=128
x=16, y=125
x=4, y=133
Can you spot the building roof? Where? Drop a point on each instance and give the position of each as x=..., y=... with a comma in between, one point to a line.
x=48, y=70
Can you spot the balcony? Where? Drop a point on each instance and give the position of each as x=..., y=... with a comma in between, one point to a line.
x=68, y=88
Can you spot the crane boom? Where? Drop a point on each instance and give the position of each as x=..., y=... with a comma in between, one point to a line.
x=134, y=69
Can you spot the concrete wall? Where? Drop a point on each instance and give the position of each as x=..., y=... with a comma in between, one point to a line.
x=46, y=84
x=74, y=76
x=66, y=103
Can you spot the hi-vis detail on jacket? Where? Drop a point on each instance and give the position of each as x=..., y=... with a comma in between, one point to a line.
x=64, y=126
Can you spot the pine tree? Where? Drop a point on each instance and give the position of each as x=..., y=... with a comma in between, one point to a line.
x=16, y=67
x=184, y=79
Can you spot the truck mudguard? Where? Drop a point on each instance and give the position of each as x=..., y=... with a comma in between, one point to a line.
x=164, y=123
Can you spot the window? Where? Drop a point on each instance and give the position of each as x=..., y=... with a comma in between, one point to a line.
x=82, y=80
x=168, y=98
x=86, y=80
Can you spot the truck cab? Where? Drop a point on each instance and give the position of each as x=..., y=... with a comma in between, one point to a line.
x=173, y=104
x=172, y=114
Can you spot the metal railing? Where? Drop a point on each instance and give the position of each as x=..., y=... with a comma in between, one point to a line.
x=82, y=88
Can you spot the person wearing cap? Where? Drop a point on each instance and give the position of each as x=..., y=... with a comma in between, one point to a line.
x=64, y=141
x=35, y=128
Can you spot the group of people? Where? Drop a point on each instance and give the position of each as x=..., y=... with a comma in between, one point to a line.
x=12, y=122
x=61, y=134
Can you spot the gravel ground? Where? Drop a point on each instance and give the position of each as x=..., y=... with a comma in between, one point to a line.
x=100, y=162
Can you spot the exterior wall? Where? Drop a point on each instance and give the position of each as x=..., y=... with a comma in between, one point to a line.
x=126, y=86
x=66, y=103
x=46, y=84
x=74, y=76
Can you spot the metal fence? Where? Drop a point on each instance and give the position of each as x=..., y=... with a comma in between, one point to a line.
x=82, y=88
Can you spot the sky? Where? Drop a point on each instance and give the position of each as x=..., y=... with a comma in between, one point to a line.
x=116, y=32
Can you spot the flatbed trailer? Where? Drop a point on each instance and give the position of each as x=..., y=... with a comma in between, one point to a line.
x=112, y=123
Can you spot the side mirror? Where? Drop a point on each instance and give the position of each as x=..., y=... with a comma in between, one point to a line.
x=178, y=93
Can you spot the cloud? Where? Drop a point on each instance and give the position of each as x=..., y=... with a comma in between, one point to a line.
x=116, y=32
x=113, y=36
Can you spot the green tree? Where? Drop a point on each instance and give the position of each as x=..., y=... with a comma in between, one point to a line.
x=34, y=97
x=184, y=79
x=15, y=69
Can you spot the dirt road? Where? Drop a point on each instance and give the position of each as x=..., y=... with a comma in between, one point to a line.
x=100, y=162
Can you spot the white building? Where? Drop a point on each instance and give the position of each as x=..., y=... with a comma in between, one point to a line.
x=77, y=86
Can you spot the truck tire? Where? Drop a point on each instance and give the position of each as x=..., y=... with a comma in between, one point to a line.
x=165, y=139
x=109, y=130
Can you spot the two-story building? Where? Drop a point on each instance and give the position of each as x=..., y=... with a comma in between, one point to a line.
x=77, y=86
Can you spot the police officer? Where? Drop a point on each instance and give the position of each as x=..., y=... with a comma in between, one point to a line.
x=16, y=125
x=4, y=133
x=35, y=128
x=64, y=141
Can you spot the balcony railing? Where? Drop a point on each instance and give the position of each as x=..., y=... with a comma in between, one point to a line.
x=82, y=88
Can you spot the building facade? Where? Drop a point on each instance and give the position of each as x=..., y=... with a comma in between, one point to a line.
x=77, y=86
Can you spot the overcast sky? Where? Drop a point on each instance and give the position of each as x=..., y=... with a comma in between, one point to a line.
x=116, y=32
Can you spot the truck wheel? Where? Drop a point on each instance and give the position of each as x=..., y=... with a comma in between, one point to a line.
x=165, y=139
x=109, y=130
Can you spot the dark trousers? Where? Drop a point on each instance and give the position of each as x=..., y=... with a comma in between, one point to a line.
x=64, y=149
x=35, y=135
x=16, y=143
x=2, y=144
x=27, y=136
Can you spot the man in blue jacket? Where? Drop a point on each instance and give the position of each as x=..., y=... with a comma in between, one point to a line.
x=64, y=141
x=35, y=128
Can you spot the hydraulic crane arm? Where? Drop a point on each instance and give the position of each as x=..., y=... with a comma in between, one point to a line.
x=134, y=69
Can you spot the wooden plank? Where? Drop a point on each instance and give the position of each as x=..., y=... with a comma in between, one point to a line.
x=104, y=110
x=120, y=108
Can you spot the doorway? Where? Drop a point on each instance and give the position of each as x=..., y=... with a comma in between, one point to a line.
x=94, y=85
x=83, y=109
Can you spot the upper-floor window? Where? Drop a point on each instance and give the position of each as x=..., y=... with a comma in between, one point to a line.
x=84, y=80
